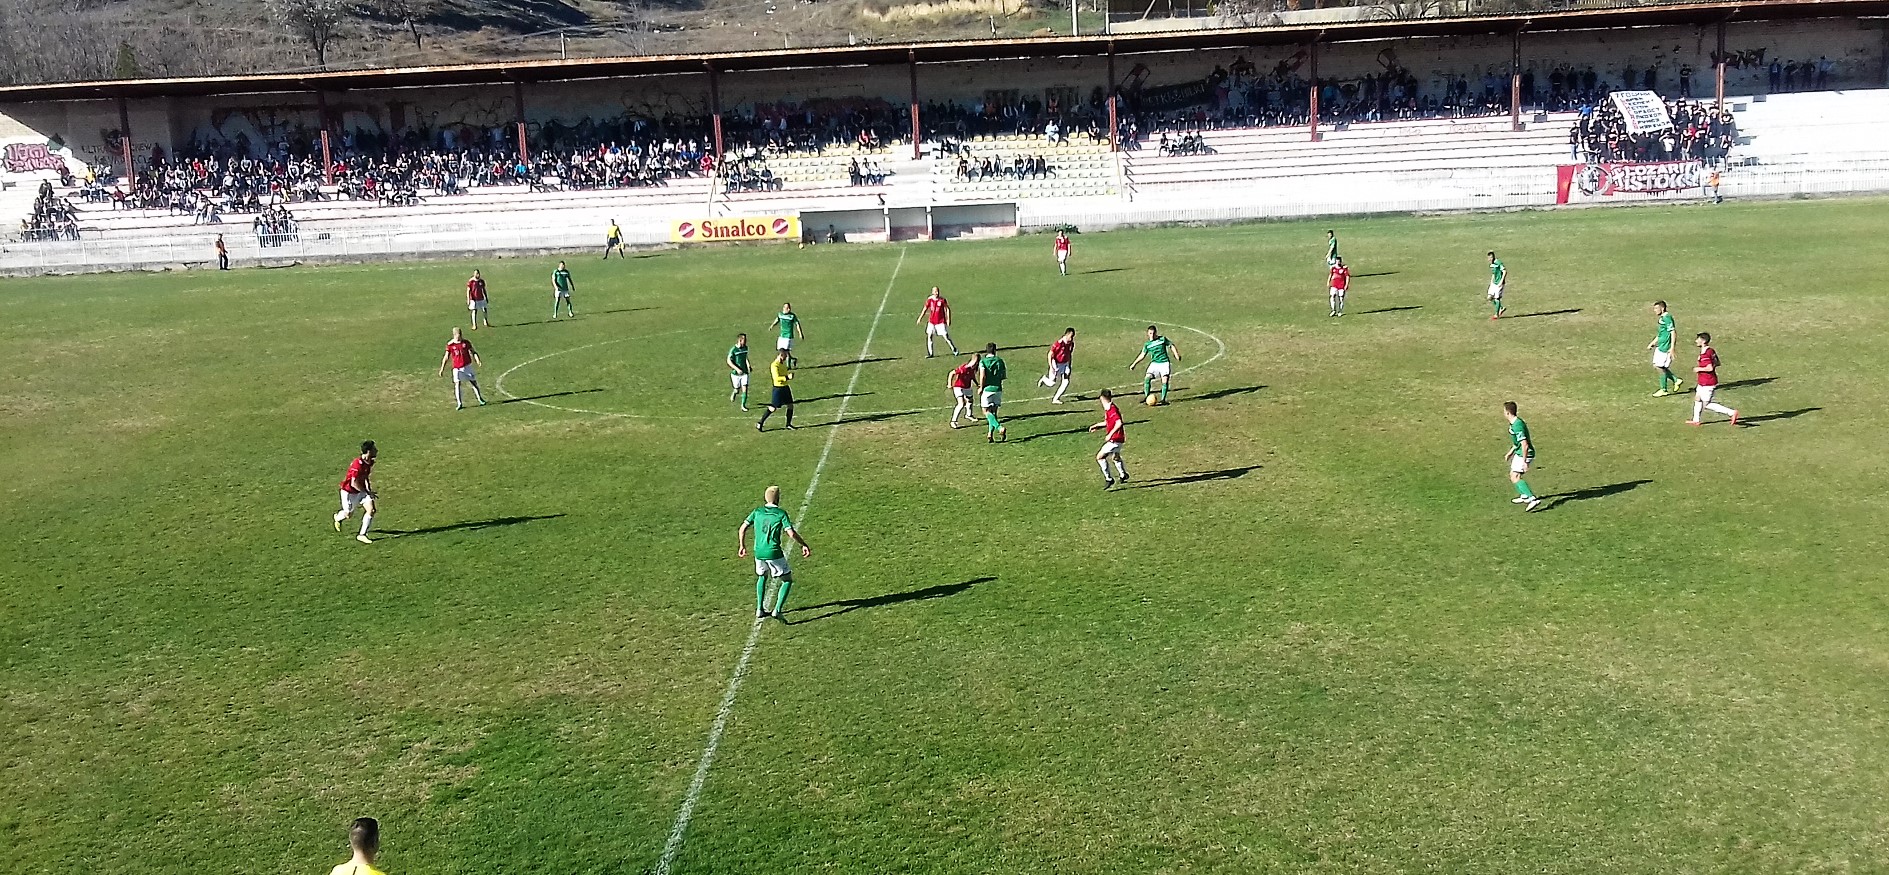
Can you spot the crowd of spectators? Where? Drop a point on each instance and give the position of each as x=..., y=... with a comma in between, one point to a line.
x=978, y=168
x=53, y=217
x=1699, y=133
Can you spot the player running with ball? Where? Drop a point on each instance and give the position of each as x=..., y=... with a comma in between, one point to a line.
x=1062, y=354
x=461, y=355
x=1161, y=354
x=1115, y=433
x=357, y=489
x=960, y=382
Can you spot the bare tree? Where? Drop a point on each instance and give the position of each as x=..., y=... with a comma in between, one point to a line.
x=407, y=12
x=314, y=22
x=1405, y=10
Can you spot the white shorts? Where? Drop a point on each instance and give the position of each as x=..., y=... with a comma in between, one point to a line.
x=740, y=381
x=1495, y=291
x=1518, y=464
x=772, y=568
x=962, y=392
x=1059, y=369
x=1704, y=393
x=784, y=343
x=1111, y=448
x=351, y=500
x=993, y=398
x=464, y=375
x=560, y=293
x=475, y=305
x=1337, y=292
x=937, y=329
x=1062, y=256
x=1662, y=359
x=1160, y=369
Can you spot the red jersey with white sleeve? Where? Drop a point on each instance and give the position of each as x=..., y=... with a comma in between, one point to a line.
x=935, y=309
x=1114, y=431
x=962, y=375
x=1062, y=244
x=359, y=472
x=461, y=353
x=1340, y=278
x=1062, y=351
x=1708, y=358
x=475, y=289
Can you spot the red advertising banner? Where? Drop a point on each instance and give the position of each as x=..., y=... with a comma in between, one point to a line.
x=1581, y=181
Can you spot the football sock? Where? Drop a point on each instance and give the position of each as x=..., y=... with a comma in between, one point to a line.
x=1061, y=387
x=1103, y=464
x=1164, y=391
x=928, y=345
x=458, y=398
x=954, y=347
x=341, y=515
x=1521, y=487
x=1716, y=407
x=1498, y=306
x=478, y=394
x=1121, y=469
x=367, y=519
x=1147, y=385
x=992, y=419
x=744, y=397
x=764, y=415
x=1698, y=407
x=1666, y=377
x=790, y=416
x=780, y=595
x=760, y=594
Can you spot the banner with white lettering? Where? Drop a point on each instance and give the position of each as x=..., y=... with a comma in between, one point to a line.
x=1578, y=182
x=1644, y=111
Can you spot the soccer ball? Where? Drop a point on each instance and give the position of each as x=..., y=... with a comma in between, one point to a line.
x=1151, y=399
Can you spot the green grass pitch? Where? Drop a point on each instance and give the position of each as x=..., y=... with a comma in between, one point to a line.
x=1314, y=636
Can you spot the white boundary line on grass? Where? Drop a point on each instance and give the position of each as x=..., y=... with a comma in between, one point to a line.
x=1220, y=351
x=673, y=845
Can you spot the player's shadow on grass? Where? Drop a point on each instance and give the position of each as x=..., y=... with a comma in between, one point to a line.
x=469, y=526
x=863, y=417
x=1773, y=417
x=1219, y=393
x=865, y=361
x=1561, y=498
x=1359, y=276
x=844, y=606
x=587, y=313
x=1756, y=381
x=1196, y=477
x=818, y=398
x=1569, y=311
x=1390, y=309
x=1060, y=412
x=550, y=395
x=1015, y=348
x=1030, y=437
x=1102, y=270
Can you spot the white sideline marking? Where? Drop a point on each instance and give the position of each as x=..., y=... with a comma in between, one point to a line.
x=673, y=846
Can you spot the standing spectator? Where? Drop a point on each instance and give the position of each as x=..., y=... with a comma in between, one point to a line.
x=1825, y=67
x=1776, y=75
x=222, y=254
x=1685, y=81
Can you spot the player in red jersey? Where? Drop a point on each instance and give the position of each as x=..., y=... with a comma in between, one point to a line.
x=461, y=355
x=1062, y=354
x=475, y=300
x=1062, y=252
x=963, y=382
x=936, y=318
x=1706, y=383
x=1340, y=281
x=1115, y=433
x=357, y=488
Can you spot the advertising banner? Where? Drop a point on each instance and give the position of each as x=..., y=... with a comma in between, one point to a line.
x=1578, y=182
x=734, y=229
x=1644, y=111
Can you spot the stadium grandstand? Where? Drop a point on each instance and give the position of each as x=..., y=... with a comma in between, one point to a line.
x=939, y=140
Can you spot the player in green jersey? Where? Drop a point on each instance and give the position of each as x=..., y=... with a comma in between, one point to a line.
x=1331, y=248
x=789, y=324
x=770, y=525
x=738, y=370
x=1161, y=354
x=1521, y=456
x=1498, y=280
x=1662, y=347
x=561, y=288
x=990, y=375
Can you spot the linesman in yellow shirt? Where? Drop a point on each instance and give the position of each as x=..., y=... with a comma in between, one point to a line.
x=364, y=838
x=783, y=373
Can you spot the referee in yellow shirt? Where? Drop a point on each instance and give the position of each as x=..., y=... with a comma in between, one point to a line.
x=364, y=838
x=783, y=396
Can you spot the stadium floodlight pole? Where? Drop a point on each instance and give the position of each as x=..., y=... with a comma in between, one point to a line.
x=911, y=56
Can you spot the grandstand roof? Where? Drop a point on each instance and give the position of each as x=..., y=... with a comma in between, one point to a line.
x=507, y=72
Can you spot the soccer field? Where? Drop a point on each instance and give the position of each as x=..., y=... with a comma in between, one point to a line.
x=1311, y=634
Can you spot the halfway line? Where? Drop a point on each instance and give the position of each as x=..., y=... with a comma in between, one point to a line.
x=673, y=846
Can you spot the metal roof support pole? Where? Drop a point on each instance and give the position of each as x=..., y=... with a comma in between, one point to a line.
x=518, y=103
x=911, y=56
x=714, y=106
x=124, y=140
x=1515, y=85
x=1718, y=68
x=1114, y=122
x=1313, y=115
x=327, y=145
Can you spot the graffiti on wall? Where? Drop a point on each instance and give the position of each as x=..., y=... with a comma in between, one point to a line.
x=30, y=158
